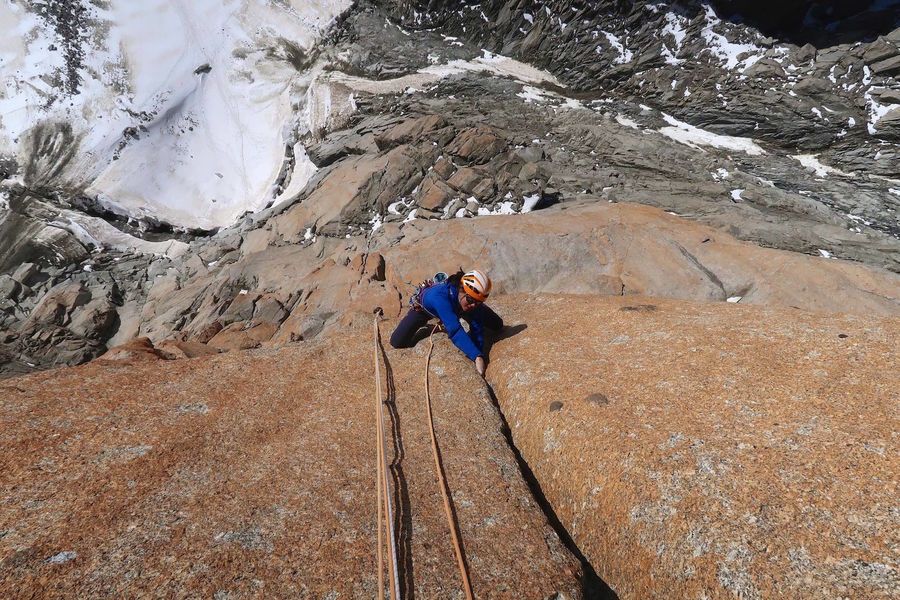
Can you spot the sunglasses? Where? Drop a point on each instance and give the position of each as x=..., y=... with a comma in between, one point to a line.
x=470, y=300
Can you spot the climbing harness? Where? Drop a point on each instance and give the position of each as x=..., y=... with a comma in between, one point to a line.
x=457, y=544
x=415, y=300
x=382, y=484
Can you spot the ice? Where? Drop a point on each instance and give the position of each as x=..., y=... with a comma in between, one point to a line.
x=694, y=137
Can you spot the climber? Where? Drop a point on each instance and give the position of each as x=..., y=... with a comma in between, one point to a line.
x=449, y=299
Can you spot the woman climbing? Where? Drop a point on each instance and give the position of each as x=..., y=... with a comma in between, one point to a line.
x=450, y=299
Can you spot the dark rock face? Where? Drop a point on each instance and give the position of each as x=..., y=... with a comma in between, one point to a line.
x=672, y=56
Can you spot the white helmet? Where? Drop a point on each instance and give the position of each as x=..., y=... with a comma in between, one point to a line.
x=476, y=285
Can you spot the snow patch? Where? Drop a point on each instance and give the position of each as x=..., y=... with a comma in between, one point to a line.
x=529, y=202
x=725, y=50
x=625, y=55
x=532, y=94
x=811, y=162
x=623, y=120
x=694, y=136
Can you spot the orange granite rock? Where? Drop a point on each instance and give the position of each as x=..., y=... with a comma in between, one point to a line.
x=252, y=473
x=710, y=450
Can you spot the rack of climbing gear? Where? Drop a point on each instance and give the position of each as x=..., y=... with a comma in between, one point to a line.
x=383, y=486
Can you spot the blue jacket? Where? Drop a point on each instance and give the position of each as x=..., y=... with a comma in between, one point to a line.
x=442, y=301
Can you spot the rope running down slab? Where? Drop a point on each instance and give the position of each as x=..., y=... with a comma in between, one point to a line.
x=457, y=542
x=382, y=484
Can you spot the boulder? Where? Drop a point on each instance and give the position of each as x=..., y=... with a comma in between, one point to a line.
x=879, y=50
x=138, y=349
x=812, y=86
x=9, y=288
x=473, y=182
x=270, y=308
x=58, y=304
x=889, y=122
x=889, y=96
x=434, y=193
x=535, y=171
x=766, y=67
x=26, y=273
x=444, y=167
x=243, y=335
x=207, y=333
x=887, y=67
x=413, y=130
x=805, y=53
x=374, y=266
x=186, y=349
x=477, y=145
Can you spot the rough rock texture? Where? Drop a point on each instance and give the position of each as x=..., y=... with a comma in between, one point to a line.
x=616, y=249
x=252, y=473
x=710, y=450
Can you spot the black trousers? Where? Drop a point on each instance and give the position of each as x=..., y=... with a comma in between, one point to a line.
x=404, y=335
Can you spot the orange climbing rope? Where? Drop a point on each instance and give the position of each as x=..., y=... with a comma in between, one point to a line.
x=382, y=485
x=457, y=543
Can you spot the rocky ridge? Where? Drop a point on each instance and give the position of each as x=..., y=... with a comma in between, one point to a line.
x=387, y=152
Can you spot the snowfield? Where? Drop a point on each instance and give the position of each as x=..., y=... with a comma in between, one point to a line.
x=177, y=109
